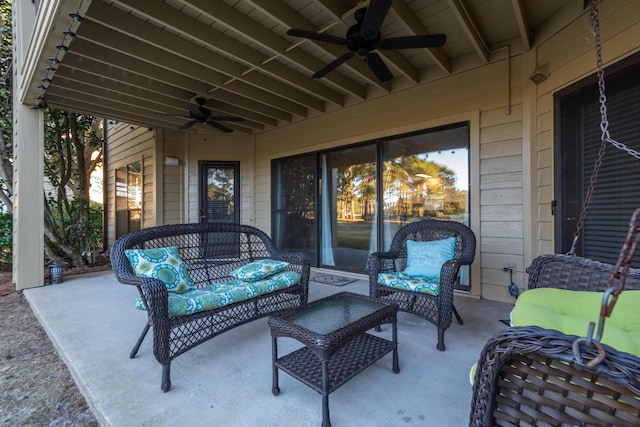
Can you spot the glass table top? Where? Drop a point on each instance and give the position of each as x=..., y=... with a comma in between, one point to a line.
x=333, y=313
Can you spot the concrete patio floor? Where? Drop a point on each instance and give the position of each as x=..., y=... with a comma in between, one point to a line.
x=227, y=380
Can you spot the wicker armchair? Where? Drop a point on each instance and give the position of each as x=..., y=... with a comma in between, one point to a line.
x=436, y=309
x=528, y=376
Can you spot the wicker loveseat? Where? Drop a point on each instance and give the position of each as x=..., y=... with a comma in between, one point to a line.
x=214, y=293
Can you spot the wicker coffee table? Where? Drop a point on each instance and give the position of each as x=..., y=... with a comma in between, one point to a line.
x=336, y=345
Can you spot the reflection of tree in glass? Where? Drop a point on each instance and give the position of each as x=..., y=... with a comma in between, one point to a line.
x=356, y=190
x=414, y=186
x=220, y=184
x=296, y=203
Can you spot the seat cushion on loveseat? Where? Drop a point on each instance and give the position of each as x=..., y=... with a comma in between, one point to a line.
x=220, y=294
x=570, y=312
x=402, y=281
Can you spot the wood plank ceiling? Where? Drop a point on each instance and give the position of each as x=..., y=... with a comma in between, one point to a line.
x=145, y=61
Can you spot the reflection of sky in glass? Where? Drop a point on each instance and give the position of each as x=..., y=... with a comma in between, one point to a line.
x=458, y=161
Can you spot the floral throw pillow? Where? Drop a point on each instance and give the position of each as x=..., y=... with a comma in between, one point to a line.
x=164, y=264
x=259, y=270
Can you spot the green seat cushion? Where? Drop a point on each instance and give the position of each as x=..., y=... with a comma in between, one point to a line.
x=425, y=259
x=220, y=294
x=400, y=280
x=259, y=270
x=164, y=264
x=570, y=312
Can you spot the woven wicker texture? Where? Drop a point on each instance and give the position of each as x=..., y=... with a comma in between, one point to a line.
x=346, y=363
x=334, y=356
x=436, y=309
x=526, y=377
x=211, y=251
x=575, y=273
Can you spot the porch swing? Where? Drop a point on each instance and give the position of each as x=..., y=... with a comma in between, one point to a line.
x=541, y=371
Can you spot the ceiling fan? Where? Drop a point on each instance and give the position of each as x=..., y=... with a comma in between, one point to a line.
x=200, y=114
x=364, y=37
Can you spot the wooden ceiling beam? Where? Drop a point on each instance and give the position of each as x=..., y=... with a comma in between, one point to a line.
x=149, y=56
x=104, y=103
x=394, y=58
x=68, y=104
x=162, y=101
x=167, y=16
x=415, y=26
x=286, y=16
x=120, y=65
x=87, y=107
x=469, y=28
x=227, y=15
x=73, y=63
x=249, y=104
x=115, y=100
x=79, y=78
x=158, y=45
x=521, y=20
x=234, y=110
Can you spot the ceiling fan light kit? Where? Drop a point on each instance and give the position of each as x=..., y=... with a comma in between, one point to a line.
x=364, y=37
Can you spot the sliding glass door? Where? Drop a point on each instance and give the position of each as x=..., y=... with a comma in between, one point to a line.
x=340, y=205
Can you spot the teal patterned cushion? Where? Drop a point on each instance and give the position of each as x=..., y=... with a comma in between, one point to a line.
x=425, y=259
x=405, y=282
x=221, y=294
x=164, y=264
x=259, y=270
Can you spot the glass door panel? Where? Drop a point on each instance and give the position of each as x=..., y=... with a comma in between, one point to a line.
x=220, y=192
x=128, y=199
x=347, y=207
x=294, y=203
x=220, y=202
x=426, y=175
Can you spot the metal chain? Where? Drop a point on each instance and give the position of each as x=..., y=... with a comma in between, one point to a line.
x=604, y=126
x=615, y=286
x=630, y=246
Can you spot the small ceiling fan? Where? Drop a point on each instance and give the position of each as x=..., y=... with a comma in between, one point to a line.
x=364, y=37
x=200, y=114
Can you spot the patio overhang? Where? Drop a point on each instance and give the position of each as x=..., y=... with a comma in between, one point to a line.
x=144, y=61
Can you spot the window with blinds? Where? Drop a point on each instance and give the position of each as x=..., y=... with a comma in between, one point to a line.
x=617, y=189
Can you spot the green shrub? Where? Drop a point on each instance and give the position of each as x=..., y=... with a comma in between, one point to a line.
x=6, y=240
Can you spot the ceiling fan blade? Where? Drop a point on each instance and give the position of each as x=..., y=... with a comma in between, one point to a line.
x=376, y=12
x=413, y=42
x=321, y=37
x=188, y=125
x=333, y=65
x=378, y=67
x=227, y=118
x=219, y=126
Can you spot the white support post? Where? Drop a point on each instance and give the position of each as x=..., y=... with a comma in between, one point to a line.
x=28, y=164
x=28, y=197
